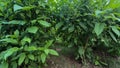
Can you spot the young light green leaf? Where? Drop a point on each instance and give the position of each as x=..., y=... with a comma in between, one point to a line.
x=17, y=7
x=43, y=58
x=31, y=56
x=99, y=27
x=53, y=52
x=9, y=40
x=115, y=30
x=32, y=29
x=21, y=58
x=44, y=23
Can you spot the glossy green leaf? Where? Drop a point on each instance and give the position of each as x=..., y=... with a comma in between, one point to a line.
x=43, y=58
x=44, y=23
x=9, y=40
x=14, y=22
x=53, y=52
x=10, y=51
x=17, y=7
x=21, y=58
x=32, y=29
x=99, y=27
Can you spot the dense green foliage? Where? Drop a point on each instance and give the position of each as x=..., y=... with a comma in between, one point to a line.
x=90, y=26
x=25, y=34
x=29, y=29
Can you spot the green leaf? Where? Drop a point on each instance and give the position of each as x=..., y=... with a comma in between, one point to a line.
x=71, y=29
x=17, y=7
x=43, y=58
x=32, y=29
x=31, y=56
x=44, y=23
x=1, y=14
x=82, y=25
x=16, y=33
x=113, y=36
x=115, y=30
x=46, y=51
x=58, y=25
x=48, y=43
x=4, y=65
x=9, y=40
x=53, y=52
x=25, y=39
x=30, y=48
x=10, y=51
x=28, y=7
x=99, y=27
x=15, y=22
x=21, y=58
x=113, y=4
x=81, y=51
x=97, y=63
x=26, y=61
x=14, y=65
x=98, y=13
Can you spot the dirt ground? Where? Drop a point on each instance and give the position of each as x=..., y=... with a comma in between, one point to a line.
x=66, y=62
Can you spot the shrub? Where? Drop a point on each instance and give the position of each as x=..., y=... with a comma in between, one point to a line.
x=25, y=34
x=90, y=26
x=28, y=29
